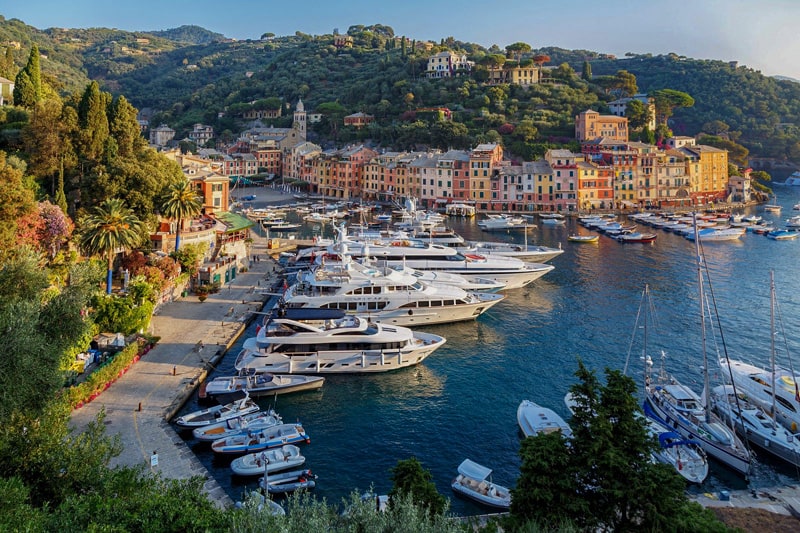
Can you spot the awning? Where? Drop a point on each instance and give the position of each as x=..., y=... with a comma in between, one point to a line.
x=628, y=204
x=233, y=221
x=474, y=470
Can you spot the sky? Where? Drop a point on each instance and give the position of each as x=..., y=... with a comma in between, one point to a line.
x=761, y=34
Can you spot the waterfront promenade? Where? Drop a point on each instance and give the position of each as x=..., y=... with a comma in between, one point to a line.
x=193, y=335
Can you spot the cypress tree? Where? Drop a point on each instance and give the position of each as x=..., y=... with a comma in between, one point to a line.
x=587, y=71
x=7, y=65
x=24, y=93
x=93, y=122
x=60, y=197
x=28, y=83
x=124, y=127
x=34, y=71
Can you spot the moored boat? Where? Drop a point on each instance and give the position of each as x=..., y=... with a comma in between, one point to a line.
x=534, y=419
x=288, y=481
x=583, y=238
x=686, y=456
x=474, y=481
x=304, y=341
x=273, y=460
x=385, y=295
x=525, y=252
x=256, y=441
x=636, y=236
x=262, y=383
x=234, y=426
x=783, y=235
x=504, y=222
x=219, y=413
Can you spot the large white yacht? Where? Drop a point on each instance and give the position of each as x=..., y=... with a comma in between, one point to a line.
x=385, y=295
x=525, y=252
x=425, y=256
x=758, y=385
x=303, y=341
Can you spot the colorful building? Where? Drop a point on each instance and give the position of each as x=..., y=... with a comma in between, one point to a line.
x=448, y=64
x=592, y=125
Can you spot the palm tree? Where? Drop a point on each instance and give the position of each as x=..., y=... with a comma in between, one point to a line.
x=179, y=202
x=109, y=227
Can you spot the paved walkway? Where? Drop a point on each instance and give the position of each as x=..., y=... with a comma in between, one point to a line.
x=193, y=333
x=781, y=500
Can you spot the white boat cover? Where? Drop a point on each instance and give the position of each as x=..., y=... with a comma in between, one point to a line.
x=472, y=469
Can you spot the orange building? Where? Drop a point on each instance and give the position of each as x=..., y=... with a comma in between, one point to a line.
x=358, y=120
x=592, y=125
x=339, y=173
x=483, y=160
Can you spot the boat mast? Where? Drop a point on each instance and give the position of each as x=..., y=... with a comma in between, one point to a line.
x=706, y=380
x=772, y=342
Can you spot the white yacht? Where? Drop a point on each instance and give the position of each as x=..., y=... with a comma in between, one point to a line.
x=755, y=424
x=504, y=222
x=302, y=341
x=758, y=385
x=524, y=252
x=451, y=239
x=385, y=295
x=794, y=179
x=424, y=256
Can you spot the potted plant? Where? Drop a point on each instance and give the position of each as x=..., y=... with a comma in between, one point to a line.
x=202, y=292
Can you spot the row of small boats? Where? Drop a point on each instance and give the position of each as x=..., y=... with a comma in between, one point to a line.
x=241, y=427
x=262, y=444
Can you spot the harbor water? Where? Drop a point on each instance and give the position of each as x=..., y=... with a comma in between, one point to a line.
x=461, y=401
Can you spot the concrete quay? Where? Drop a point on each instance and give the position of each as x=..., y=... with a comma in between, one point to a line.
x=783, y=500
x=194, y=335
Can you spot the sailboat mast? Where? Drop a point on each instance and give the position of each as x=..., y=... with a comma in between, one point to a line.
x=706, y=381
x=772, y=340
x=645, y=301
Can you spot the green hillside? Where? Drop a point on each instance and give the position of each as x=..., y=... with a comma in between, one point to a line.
x=189, y=75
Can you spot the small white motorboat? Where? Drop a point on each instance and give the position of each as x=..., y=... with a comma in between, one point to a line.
x=271, y=437
x=263, y=383
x=219, y=413
x=289, y=481
x=274, y=460
x=534, y=419
x=260, y=502
x=474, y=481
x=234, y=426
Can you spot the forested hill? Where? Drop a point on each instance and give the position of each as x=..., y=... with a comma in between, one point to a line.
x=765, y=110
x=189, y=35
x=191, y=75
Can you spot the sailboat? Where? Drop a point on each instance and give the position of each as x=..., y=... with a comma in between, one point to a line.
x=756, y=420
x=773, y=207
x=687, y=413
x=686, y=456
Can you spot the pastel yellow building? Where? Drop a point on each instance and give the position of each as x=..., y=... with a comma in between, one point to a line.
x=592, y=125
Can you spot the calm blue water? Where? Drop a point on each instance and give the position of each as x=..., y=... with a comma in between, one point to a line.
x=462, y=401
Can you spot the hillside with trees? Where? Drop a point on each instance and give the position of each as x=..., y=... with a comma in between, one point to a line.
x=189, y=75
